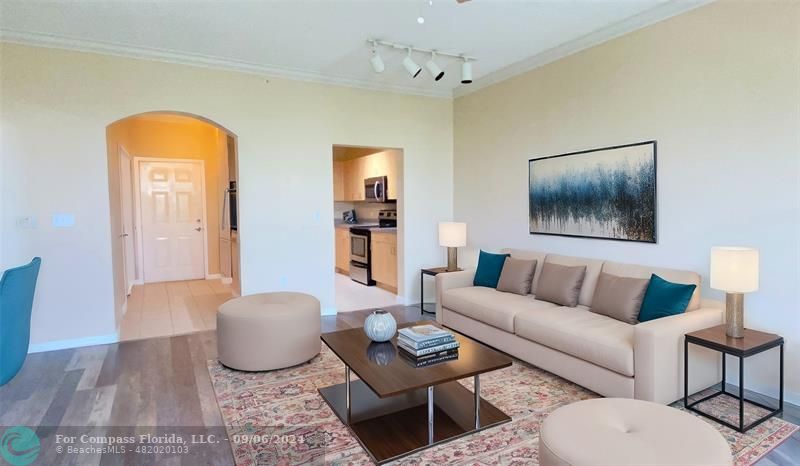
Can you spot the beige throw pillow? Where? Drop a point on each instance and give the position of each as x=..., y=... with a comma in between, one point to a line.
x=619, y=297
x=560, y=284
x=516, y=276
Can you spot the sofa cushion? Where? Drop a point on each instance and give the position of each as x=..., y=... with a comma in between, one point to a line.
x=581, y=333
x=619, y=297
x=561, y=284
x=490, y=306
x=528, y=255
x=593, y=267
x=664, y=299
x=642, y=271
x=489, y=268
x=516, y=276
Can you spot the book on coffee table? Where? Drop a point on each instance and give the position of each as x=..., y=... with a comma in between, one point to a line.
x=421, y=333
x=431, y=359
x=425, y=351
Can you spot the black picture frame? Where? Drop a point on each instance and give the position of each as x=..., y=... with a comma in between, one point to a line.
x=651, y=229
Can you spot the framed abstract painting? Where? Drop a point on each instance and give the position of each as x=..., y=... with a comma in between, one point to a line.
x=607, y=193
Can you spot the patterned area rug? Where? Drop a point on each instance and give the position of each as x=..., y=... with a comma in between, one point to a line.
x=278, y=418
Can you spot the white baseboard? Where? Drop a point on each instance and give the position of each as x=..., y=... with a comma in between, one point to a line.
x=213, y=276
x=328, y=311
x=74, y=343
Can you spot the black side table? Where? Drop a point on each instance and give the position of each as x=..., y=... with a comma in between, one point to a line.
x=432, y=272
x=752, y=343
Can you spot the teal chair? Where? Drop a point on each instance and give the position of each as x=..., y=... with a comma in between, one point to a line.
x=16, y=302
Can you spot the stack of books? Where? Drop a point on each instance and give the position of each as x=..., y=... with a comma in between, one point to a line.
x=424, y=345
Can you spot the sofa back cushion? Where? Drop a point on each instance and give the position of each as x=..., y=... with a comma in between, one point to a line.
x=642, y=271
x=619, y=297
x=593, y=267
x=561, y=284
x=517, y=276
x=527, y=255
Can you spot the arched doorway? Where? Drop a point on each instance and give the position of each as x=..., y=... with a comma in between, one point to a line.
x=174, y=222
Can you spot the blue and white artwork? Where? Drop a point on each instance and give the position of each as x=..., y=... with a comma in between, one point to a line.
x=607, y=193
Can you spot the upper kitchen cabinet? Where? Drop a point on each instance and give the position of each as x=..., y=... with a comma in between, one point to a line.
x=339, y=191
x=349, y=175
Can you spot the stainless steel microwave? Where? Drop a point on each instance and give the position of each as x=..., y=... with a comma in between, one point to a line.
x=375, y=189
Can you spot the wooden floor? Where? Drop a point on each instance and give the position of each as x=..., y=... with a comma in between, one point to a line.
x=162, y=382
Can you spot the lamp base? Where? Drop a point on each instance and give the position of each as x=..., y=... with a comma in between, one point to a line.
x=452, y=259
x=734, y=315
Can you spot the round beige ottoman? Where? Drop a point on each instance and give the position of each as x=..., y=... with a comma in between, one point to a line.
x=625, y=432
x=268, y=331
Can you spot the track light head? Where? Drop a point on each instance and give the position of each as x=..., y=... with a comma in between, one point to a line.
x=466, y=72
x=411, y=66
x=376, y=61
x=433, y=68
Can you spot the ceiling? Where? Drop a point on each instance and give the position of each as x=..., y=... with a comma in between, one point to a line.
x=325, y=41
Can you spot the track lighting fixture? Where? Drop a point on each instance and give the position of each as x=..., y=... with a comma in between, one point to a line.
x=433, y=68
x=466, y=71
x=411, y=66
x=375, y=60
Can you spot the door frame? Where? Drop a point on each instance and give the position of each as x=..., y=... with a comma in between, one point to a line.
x=130, y=281
x=137, y=198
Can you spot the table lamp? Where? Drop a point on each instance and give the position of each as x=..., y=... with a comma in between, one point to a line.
x=452, y=235
x=735, y=271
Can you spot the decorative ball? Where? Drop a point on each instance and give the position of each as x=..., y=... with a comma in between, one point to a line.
x=380, y=326
x=381, y=353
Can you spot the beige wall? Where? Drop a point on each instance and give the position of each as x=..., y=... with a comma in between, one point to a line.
x=166, y=136
x=719, y=89
x=55, y=109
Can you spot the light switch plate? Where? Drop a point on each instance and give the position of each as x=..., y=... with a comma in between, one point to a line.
x=62, y=220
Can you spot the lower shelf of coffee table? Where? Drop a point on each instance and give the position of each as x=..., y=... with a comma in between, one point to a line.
x=389, y=428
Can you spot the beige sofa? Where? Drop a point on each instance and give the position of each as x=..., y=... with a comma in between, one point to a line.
x=607, y=356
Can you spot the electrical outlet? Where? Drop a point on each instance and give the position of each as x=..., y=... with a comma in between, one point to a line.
x=27, y=222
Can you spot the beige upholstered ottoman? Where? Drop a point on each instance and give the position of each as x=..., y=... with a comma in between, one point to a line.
x=268, y=331
x=626, y=432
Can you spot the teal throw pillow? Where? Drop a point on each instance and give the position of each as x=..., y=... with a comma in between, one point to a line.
x=664, y=299
x=489, y=268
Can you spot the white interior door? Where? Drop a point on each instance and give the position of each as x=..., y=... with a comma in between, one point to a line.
x=126, y=216
x=173, y=226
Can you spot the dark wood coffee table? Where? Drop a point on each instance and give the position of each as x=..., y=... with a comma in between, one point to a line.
x=396, y=409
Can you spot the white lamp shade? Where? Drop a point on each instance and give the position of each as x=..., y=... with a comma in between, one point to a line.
x=734, y=269
x=452, y=234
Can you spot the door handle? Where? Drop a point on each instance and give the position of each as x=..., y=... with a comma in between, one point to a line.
x=198, y=229
x=124, y=235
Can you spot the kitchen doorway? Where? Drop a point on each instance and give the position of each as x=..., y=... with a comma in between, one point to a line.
x=174, y=218
x=368, y=206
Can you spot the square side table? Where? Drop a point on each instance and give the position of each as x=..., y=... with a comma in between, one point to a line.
x=433, y=271
x=753, y=342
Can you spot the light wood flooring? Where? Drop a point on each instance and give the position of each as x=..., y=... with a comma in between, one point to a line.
x=163, y=382
x=173, y=308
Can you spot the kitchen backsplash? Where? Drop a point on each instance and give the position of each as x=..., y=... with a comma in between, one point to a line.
x=364, y=210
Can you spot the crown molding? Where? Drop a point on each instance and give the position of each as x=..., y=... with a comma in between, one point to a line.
x=38, y=39
x=659, y=13
x=654, y=15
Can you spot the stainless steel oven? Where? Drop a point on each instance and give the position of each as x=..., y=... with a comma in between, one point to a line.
x=360, y=260
x=375, y=189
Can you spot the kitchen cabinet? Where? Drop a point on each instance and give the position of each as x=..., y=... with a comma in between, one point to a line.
x=339, y=189
x=348, y=176
x=342, y=245
x=384, y=259
x=354, y=174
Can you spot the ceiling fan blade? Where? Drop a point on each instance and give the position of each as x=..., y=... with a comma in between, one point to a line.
x=462, y=1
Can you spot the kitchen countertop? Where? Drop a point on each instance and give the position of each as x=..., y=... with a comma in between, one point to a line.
x=369, y=226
